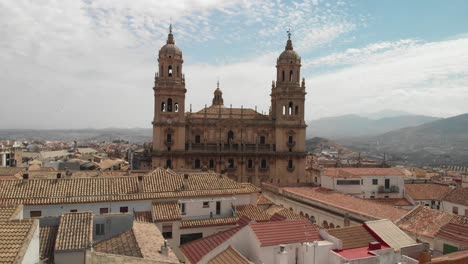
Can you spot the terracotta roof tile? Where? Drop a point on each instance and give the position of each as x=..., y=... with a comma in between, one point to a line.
x=262, y=200
x=75, y=231
x=229, y=256
x=353, y=236
x=144, y=216
x=9, y=211
x=425, y=221
x=158, y=184
x=184, y=224
x=150, y=240
x=280, y=213
x=166, y=211
x=347, y=202
x=459, y=196
x=454, y=232
x=122, y=244
x=252, y=212
x=93, y=257
x=47, y=238
x=391, y=201
x=214, y=112
x=15, y=236
x=360, y=172
x=195, y=250
x=284, y=232
x=427, y=191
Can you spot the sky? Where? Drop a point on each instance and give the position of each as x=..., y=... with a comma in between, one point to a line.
x=91, y=63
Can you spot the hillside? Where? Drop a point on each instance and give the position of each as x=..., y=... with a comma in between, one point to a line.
x=441, y=141
x=349, y=126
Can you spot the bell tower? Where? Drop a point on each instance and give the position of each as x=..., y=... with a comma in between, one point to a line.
x=169, y=107
x=287, y=103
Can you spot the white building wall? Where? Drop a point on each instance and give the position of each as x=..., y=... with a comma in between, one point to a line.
x=366, y=188
x=448, y=207
x=32, y=255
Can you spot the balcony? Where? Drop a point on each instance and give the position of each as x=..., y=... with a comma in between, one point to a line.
x=291, y=143
x=392, y=189
x=231, y=148
x=168, y=143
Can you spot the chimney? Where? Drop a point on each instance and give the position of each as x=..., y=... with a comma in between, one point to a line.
x=185, y=183
x=140, y=183
x=25, y=177
x=425, y=255
x=282, y=255
x=165, y=249
x=374, y=245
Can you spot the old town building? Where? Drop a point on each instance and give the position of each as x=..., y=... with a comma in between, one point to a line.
x=247, y=145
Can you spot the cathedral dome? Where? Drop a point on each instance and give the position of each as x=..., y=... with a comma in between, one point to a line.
x=289, y=53
x=170, y=48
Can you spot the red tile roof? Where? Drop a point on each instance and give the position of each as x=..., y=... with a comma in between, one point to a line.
x=458, y=196
x=348, y=203
x=454, y=232
x=252, y=212
x=262, y=200
x=284, y=232
x=359, y=172
x=353, y=236
x=427, y=191
x=194, y=251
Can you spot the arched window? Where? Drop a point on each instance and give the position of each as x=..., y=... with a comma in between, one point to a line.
x=312, y=219
x=338, y=226
x=162, y=71
x=284, y=110
x=325, y=224
x=231, y=163
x=290, y=76
x=332, y=225
x=163, y=107
x=296, y=110
x=263, y=164
x=178, y=72
x=290, y=209
x=169, y=71
x=211, y=163
x=197, y=139
x=307, y=215
x=169, y=105
x=230, y=136
x=176, y=107
x=290, y=108
x=301, y=213
x=250, y=164
x=169, y=164
x=262, y=140
x=197, y=164
x=283, y=76
x=290, y=139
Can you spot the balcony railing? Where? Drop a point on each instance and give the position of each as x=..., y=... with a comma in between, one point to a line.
x=230, y=148
x=392, y=189
x=291, y=144
x=168, y=143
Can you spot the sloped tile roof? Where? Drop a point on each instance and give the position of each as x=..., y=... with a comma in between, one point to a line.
x=166, y=211
x=457, y=233
x=427, y=191
x=360, y=172
x=252, y=212
x=284, y=232
x=150, y=240
x=262, y=200
x=158, y=184
x=144, y=216
x=215, y=111
x=195, y=250
x=93, y=257
x=229, y=256
x=459, y=196
x=15, y=236
x=75, y=231
x=122, y=244
x=9, y=211
x=425, y=221
x=353, y=236
x=47, y=238
x=184, y=224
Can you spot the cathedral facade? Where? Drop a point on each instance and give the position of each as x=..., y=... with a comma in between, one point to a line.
x=246, y=145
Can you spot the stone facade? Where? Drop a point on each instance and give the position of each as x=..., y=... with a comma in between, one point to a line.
x=245, y=144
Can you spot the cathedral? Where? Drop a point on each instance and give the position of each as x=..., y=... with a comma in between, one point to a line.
x=242, y=143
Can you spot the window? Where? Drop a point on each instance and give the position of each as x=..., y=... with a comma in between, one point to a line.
x=162, y=70
x=455, y=210
x=178, y=72
x=386, y=196
x=73, y=210
x=206, y=204
x=290, y=76
x=197, y=164
x=182, y=208
x=262, y=140
x=283, y=76
x=169, y=164
x=290, y=107
x=103, y=210
x=99, y=229
x=290, y=164
x=284, y=110
x=169, y=138
x=387, y=183
x=250, y=164
x=190, y=237
x=348, y=182
x=169, y=71
x=290, y=139
x=263, y=164
x=124, y=209
x=466, y=212
x=375, y=181
x=230, y=136
x=163, y=107
x=197, y=139
x=211, y=164
x=372, y=197
x=176, y=107
x=169, y=105
x=231, y=163
x=35, y=213
x=218, y=207
x=296, y=110
x=167, y=231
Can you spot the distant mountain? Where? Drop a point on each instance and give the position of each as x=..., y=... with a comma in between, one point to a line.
x=350, y=126
x=386, y=113
x=437, y=142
